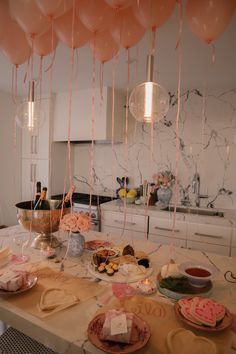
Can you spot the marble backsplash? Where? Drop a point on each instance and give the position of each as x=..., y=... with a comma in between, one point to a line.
x=207, y=131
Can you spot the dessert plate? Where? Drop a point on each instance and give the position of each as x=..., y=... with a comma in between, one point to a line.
x=29, y=283
x=140, y=328
x=225, y=323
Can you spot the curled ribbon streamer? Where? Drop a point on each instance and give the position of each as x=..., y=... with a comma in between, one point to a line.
x=176, y=188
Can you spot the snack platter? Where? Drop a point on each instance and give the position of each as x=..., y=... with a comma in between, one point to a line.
x=189, y=292
x=119, y=277
x=107, y=265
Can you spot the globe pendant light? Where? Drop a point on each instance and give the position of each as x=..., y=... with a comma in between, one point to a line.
x=149, y=102
x=29, y=114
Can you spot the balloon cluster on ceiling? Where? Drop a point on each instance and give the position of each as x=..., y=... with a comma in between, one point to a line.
x=36, y=26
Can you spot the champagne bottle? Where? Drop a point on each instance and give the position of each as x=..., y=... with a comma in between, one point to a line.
x=67, y=197
x=41, y=204
x=38, y=192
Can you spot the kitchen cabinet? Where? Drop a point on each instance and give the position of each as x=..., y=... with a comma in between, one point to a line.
x=131, y=225
x=209, y=238
x=42, y=160
x=160, y=231
x=81, y=116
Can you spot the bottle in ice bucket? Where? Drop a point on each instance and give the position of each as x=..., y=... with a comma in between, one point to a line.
x=38, y=193
x=42, y=203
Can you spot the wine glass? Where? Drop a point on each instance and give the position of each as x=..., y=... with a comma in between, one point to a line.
x=21, y=240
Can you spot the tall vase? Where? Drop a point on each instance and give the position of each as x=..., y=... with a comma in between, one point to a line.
x=76, y=245
x=164, y=195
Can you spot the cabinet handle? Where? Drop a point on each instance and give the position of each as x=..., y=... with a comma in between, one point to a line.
x=164, y=229
x=206, y=235
x=34, y=144
x=33, y=172
x=127, y=222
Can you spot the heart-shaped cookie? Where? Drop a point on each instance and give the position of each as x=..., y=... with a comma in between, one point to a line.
x=53, y=298
x=189, y=343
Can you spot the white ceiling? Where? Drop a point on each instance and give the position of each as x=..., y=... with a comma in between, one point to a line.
x=196, y=65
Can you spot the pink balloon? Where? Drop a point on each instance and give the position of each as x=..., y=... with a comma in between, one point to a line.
x=120, y=4
x=14, y=44
x=4, y=16
x=104, y=46
x=96, y=15
x=63, y=28
x=126, y=30
x=44, y=44
x=28, y=16
x=153, y=13
x=54, y=8
x=209, y=18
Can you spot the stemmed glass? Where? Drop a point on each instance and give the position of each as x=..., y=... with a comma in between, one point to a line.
x=21, y=240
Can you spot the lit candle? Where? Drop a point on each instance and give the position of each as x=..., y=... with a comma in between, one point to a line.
x=190, y=150
x=146, y=286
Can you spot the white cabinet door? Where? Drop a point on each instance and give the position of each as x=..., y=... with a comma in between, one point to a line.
x=33, y=171
x=211, y=234
x=163, y=227
x=167, y=240
x=207, y=247
x=36, y=144
x=81, y=116
x=127, y=233
x=128, y=222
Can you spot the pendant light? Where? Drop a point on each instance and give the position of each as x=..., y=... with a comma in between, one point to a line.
x=29, y=114
x=149, y=102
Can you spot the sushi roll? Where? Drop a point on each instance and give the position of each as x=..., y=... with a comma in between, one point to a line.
x=110, y=271
x=115, y=267
x=101, y=269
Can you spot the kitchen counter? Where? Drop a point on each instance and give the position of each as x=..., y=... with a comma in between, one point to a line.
x=66, y=331
x=229, y=218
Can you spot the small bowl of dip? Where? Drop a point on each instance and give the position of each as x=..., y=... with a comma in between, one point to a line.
x=198, y=274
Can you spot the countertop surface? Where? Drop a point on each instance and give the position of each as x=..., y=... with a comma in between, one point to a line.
x=56, y=330
x=229, y=218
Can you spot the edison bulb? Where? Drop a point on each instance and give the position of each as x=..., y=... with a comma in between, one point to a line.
x=149, y=102
x=30, y=115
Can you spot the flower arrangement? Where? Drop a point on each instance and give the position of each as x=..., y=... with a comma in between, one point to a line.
x=76, y=222
x=164, y=178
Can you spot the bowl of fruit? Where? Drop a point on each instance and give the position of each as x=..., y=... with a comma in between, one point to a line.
x=128, y=196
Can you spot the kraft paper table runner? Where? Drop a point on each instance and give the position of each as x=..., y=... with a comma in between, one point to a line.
x=161, y=319
x=83, y=289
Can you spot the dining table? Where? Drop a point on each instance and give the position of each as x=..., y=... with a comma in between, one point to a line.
x=65, y=331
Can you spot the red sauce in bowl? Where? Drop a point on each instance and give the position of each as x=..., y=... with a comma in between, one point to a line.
x=198, y=272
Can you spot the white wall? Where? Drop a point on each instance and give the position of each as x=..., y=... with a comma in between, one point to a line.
x=208, y=145
x=10, y=170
